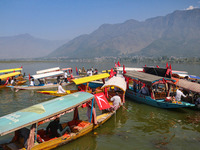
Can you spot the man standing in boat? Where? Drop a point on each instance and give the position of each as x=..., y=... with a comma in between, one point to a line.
x=65, y=76
x=179, y=93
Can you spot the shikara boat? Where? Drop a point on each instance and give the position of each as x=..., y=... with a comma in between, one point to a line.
x=159, y=88
x=116, y=83
x=41, y=86
x=121, y=69
x=191, y=88
x=10, y=70
x=4, y=77
x=38, y=114
x=82, y=84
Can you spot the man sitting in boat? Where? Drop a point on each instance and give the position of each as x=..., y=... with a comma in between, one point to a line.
x=116, y=101
x=60, y=88
x=32, y=83
x=22, y=134
x=55, y=129
x=144, y=90
x=179, y=93
x=197, y=102
x=13, y=81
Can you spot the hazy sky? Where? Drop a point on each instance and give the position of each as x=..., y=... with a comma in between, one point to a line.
x=67, y=19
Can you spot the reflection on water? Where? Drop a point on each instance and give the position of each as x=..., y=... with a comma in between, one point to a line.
x=139, y=127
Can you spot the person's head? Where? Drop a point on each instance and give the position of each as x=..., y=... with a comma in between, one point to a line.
x=57, y=119
x=60, y=83
x=181, y=89
x=186, y=77
x=116, y=93
x=32, y=79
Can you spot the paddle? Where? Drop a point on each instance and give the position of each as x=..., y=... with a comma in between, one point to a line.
x=126, y=108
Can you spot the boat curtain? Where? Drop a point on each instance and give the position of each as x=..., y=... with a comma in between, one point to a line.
x=30, y=141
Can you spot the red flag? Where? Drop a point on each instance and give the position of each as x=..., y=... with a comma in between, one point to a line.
x=157, y=66
x=102, y=101
x=14, y=71
x=124, y=71
x=169, y=70
x=77, y=71
x=167, y=65
x=118, y=64
x=111, y=73
x=106, y=92
x=21, y=66
x=7, y=81
x=29, y=77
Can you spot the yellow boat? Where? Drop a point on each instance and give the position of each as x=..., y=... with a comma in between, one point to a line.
x=10, y=70
x=44, y=112
x=55, y=93
x=83, y=84
x=19, y=79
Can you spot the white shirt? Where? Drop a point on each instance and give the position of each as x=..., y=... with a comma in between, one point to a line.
x=90, y=73
x=179, y=94
x=116, y=101
x=60, y=89
x=32, y=83
x=11, y=81
x=65, y=75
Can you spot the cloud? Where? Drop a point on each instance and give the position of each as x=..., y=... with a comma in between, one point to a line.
x=191, y=7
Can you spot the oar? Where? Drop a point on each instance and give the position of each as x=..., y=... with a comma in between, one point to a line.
x=126, y=108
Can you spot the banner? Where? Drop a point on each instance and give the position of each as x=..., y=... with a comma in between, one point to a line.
x=102, y=101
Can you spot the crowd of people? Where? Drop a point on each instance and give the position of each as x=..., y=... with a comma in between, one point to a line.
x=88, y=72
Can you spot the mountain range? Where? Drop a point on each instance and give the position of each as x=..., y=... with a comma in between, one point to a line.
x=176, y=34
x=26, y=46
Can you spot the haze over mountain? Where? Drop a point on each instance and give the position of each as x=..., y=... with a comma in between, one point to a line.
x=176, y=34
x=26, y=46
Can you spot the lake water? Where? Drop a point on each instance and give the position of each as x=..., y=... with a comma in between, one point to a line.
x=141, y=127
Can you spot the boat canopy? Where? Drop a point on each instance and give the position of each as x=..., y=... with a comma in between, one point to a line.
x=90, y=78
x=49, y=74
x=194, y=77
x=105, y=71
x=128, y=69
x=4, y=76
x=65, y=69
x=157, y=71
x=10, y=70
x=48, y=70
x=39, y=112
x=147, y=78
x=116, y=82
x=188, y=85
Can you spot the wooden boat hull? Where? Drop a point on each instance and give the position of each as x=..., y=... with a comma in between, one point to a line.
x=56, y=142
x=64, y=139
x=26, y=87
x=156, y=103
x=55, y=93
